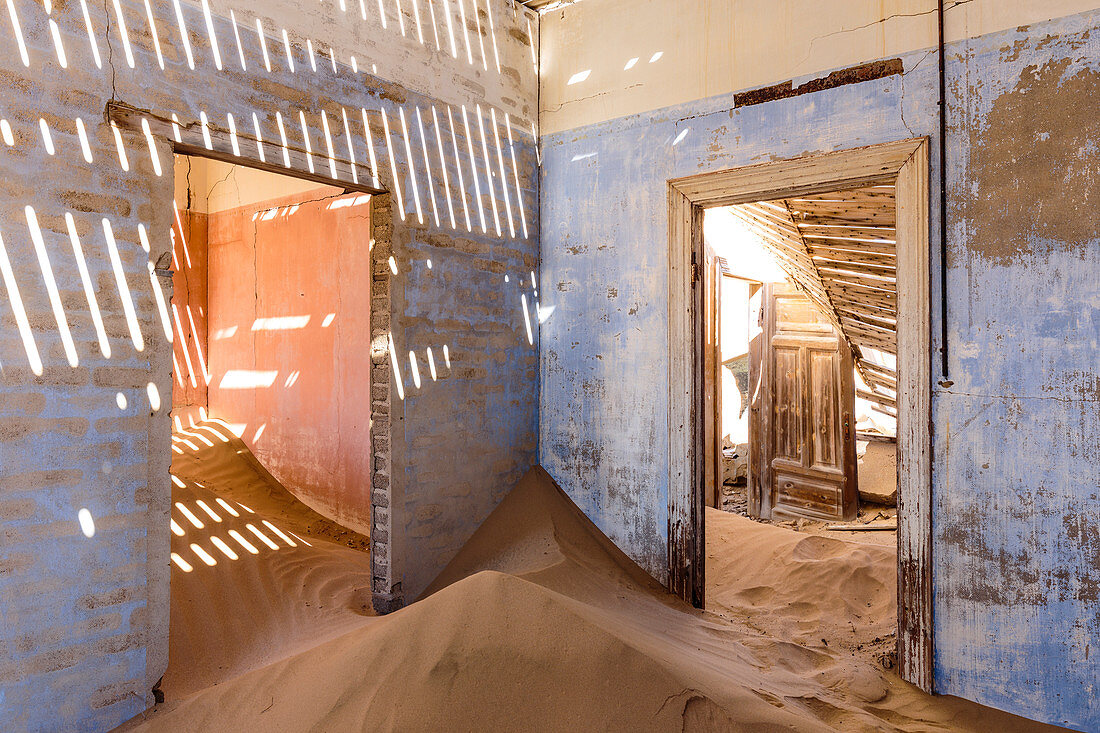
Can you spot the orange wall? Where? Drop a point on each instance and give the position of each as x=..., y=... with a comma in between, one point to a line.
x=188, y=311
x=289, y=340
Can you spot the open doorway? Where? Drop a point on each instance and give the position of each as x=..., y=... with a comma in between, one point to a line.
x=801, y=385
x=270, y=308
x=834, y=308
x=270, y=322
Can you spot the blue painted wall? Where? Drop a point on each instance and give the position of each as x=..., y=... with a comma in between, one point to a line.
x=1015, y=489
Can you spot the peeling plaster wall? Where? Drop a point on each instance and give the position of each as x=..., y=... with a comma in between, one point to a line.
x=600, y=63
x=84, y=620
x=1017, y=493
x=1015, y=502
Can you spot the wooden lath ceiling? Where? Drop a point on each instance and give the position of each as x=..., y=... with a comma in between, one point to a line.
x=840, y=249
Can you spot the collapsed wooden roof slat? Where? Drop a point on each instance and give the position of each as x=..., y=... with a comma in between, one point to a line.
x=886, y=319
x=882, y=369
x=842, y=255
x=819, y=216
x=843, y=264
x=878, y=397
x=872, y=194
x=845, y=233
x=882, y=381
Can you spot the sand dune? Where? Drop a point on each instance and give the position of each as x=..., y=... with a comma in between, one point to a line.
x=298, y=578
x=540, y=623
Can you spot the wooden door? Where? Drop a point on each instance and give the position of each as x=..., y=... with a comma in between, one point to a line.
x=712, y=380
x=802, y=422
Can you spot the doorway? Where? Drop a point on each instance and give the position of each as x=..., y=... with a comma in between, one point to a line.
x=788, y=483
x=269, y=309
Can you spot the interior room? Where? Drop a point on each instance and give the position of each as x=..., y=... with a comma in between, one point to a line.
x=270, y=439
x=268, y=298
x=831, y=258
x=675, y=365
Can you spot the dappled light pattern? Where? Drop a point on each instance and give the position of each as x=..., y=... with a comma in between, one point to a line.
x=428, y=102
x=421, y=164
x=233, y=530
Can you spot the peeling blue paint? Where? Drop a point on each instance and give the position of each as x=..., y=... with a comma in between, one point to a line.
x=1016, y=514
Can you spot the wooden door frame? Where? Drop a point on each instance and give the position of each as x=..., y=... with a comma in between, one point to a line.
x=905, y=163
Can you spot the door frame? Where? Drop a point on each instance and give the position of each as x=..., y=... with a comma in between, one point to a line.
x=905, y=163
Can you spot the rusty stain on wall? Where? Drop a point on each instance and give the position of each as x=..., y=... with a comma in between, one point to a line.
x=851, y=75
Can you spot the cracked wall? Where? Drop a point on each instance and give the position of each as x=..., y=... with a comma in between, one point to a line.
x=85, y=361
x=1015, y=505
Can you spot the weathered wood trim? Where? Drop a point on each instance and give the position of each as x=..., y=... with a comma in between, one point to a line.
x=914, y=408
x=905, y=163
x=685, y=449
x=189, y=138
x=680, y=379
x=798, y=176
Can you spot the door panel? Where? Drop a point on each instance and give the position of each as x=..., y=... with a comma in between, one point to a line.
x=799, y=496
x=788, y=422
x=824, y=401
x=803, y=431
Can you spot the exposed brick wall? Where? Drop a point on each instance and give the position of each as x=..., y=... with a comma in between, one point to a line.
x=83, y=635
x=386, y=591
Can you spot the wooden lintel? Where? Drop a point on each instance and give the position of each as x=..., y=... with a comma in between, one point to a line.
x=209, y=141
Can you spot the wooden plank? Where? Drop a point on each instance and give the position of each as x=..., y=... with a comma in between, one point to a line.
x=856, y=289
x=845, y=263
x=885, y=410
x=869, y=330
x=866, y=314
x=847, y=278
x=798, y=176
x=769, y=217
x=885, y=371
x=862, y=340
x=876, y=437
x=854, y=218
x=189, y=138
x=878, y=381
x=883, y=317
x=844, y=231
x=876, y=397
x=871, y=527
x=854, y=196
x=858, y=293
x=853, y=251
x=848, y=247
x=881, y=207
